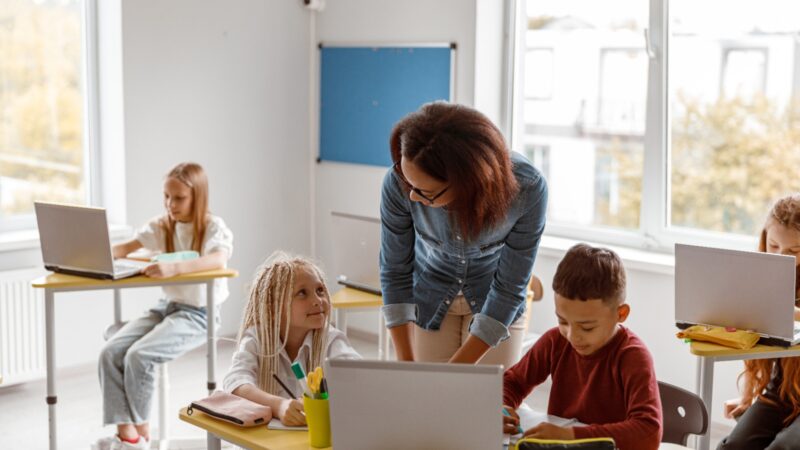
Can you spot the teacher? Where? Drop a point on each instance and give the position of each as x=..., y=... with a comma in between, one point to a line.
x=461, y=219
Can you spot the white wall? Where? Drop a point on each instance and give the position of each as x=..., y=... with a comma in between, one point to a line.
x=220, y=82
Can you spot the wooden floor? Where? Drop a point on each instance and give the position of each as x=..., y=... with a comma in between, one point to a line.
x=23, y=412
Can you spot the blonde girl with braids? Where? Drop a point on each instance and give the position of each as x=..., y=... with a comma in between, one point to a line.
x=769, y=411
x=178, y=323
x=286, y=320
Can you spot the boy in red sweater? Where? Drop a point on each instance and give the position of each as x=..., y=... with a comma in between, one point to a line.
x=602, y=373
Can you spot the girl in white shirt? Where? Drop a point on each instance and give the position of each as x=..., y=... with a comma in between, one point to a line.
x=178, y=323
x=287, y=320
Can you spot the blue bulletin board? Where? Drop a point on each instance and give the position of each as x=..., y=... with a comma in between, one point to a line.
x=364, y=91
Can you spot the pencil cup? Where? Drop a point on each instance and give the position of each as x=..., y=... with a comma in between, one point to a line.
x=319, y=422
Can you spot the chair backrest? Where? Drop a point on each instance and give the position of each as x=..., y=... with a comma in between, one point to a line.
x=684, y=414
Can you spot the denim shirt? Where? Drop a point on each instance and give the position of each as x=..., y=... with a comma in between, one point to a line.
x=425, y=262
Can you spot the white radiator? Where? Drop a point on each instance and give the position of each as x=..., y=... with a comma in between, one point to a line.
x=22, y=351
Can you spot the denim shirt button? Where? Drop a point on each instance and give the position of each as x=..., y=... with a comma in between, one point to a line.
x=458, y=237
x=462, y=261
x=447, y=302
x=460, y=281
x=472, y=303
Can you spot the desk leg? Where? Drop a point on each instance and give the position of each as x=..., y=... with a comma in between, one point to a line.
x=211, y=322
x=117, y=307
x=50, y=349
x=213, y=442
x=705, y=389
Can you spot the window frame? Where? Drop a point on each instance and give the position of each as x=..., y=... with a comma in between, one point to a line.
x=655, y=232
x=90, y=122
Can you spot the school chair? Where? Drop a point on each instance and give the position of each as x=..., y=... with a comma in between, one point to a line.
x=684, y=413
x=535, y=289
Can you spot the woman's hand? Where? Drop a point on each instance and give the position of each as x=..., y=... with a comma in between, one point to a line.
x=291, y=413
x=161, y=270
x=549, y=431
x=734, y=408
x=510, y=421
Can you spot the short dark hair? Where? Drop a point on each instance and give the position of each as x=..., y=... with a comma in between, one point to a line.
x=588, y=272
x=461, y=146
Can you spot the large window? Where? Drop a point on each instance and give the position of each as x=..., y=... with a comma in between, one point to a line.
x=43, y=149
x=662, y=120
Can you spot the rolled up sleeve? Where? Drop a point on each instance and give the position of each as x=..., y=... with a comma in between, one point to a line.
x=514, y=267
x=397, y=254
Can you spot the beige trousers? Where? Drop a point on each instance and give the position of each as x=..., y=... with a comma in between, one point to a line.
x=439, y=345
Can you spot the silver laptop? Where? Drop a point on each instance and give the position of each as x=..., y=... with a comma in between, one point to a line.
x=74, y=240
x=747, y=290
x=402, y=405
x=356, y=246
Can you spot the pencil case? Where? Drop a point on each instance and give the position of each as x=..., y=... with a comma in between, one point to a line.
x=175, y=256
x=233, y=409
x=604, y=443
x=728, y=337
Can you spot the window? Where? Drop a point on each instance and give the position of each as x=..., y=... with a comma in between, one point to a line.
x=43, y=102
x=639, y=154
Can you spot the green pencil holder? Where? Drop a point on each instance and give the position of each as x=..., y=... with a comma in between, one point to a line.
x=318, y=418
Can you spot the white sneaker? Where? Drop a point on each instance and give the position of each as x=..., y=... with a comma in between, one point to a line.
x=105, y=443
x=142, y=444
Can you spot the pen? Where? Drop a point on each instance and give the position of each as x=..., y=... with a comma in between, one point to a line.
x=323, y=389
x=301, y=377
x=519, y=427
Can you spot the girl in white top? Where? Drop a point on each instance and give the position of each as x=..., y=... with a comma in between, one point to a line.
x=287, y=320
x=178, y=323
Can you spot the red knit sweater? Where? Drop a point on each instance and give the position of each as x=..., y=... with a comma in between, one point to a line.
x=614, y=390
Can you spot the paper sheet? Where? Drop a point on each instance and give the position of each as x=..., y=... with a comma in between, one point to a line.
x=275, y=424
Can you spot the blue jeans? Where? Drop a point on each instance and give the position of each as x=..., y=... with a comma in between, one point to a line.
x=127, y=362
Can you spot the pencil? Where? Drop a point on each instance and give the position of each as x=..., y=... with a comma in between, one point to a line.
x=285, y=388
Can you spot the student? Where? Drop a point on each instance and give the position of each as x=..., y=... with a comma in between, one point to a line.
x=287, y=320
x=602, y=373
x=769, y=412
x=178, y=323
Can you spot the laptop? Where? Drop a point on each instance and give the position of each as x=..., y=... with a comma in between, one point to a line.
x=402, y=405
x=74, y=240
x=731, y=288
x=356, y=247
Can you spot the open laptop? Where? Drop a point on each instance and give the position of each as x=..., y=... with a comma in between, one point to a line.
x=74, y=240
x=356, y=246
x=731, y=288
x=402, y=405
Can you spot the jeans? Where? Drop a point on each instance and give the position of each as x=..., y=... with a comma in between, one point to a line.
x=127, y=361
x=761, y=428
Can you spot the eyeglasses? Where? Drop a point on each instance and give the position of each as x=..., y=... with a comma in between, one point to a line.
x=402, y=177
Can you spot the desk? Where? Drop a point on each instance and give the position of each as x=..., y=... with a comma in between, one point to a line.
x=708, y=354
x=349, y=299
x=256, y=438
x=69, y=283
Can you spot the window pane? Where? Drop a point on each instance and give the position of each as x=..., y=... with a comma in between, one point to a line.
x=734, y=111
x=41, y=106
x=584, y=107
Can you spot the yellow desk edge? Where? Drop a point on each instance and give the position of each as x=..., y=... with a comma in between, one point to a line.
x=353, y=298
x=699, y=348
x=60, y=280
x=256, y=438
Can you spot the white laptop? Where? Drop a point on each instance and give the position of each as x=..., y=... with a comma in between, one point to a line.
x=403, y=405
x=356, y=247
x=731, y=288
x=74, y=240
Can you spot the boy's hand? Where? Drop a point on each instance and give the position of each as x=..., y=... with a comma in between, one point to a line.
x=510, y=422
x=549, y=431
x=291, y=413
x=733, y=408
x=161, y=270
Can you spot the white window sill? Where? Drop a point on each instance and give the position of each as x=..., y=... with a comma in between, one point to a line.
x=634, y=259
x=29, y=239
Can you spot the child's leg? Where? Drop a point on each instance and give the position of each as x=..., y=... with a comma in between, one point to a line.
x=757, y=428
x=183, y=329
x=788, y=438
x=111, y=370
